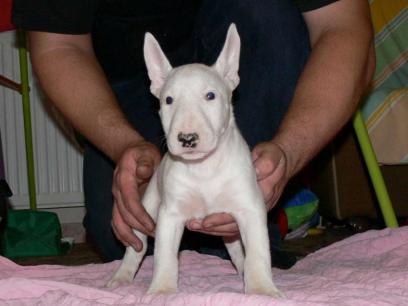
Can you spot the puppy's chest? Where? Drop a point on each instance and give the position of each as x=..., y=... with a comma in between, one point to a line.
x=199, y=199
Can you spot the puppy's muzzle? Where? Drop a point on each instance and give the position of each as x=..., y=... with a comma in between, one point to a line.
x=188, y=140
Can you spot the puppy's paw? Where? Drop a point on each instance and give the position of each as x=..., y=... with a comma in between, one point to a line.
x=120, y=279
x=161, y=290
x=270, y=291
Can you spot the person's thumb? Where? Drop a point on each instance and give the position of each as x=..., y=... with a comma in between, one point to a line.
x=145, y=168
x=264, y=165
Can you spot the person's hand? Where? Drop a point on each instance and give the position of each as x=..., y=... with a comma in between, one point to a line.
x=131, y=176
x=271, y=164
x=221, y=224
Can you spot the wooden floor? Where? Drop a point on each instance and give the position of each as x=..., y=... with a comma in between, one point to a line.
x=80, y=254
x=84, y=253
x=301, y=247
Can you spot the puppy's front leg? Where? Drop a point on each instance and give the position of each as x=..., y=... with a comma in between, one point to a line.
x=257, y=266
x=170, y=227
x=132, y=259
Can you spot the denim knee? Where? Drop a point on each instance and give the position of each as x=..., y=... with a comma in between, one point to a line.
x=98, y=172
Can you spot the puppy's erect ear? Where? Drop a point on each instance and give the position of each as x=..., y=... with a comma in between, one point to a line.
x=158, y=66
x=227, y=63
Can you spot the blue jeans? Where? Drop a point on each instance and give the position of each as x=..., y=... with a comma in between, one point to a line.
x=275, y=47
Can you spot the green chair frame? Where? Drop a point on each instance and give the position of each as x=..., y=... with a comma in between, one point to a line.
x=24, y=89
x=374, y=171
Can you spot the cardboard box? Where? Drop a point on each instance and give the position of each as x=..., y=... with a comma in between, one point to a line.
x=341, y=181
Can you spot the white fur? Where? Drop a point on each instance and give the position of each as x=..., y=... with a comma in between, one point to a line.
x=217, y=175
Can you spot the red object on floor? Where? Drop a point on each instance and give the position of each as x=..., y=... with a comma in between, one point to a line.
x=5, y=15
x=282, y=221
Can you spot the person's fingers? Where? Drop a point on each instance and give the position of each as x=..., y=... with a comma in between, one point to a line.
x=129, y=237
x=220, y=224
x=142, y=189
x=267, y=159
x=120, y=207
x=118, y=235
x=214, y=233
x=196, y=225
x=274, y=197
x=130, y=198
x=131, y=176
x=124, y=232
x=267, y=189
x=131, y=221
x=217, y=219
x=256, y=151
x=141, y=215
x=225, y=228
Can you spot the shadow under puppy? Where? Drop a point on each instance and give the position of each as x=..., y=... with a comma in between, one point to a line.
x=208, y=169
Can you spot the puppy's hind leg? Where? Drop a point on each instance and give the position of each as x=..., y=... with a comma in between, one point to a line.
x=257, y=265
x=132, y=259
x=236, y=252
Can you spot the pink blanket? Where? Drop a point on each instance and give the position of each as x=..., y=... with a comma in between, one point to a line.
x=366, y=269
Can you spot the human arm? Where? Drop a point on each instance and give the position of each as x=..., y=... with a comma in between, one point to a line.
x=336, y=74
x=74, y=81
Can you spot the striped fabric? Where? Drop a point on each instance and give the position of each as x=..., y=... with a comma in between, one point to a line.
x=386, y=108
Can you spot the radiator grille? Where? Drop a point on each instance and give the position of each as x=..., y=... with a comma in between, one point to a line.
x=58, y=165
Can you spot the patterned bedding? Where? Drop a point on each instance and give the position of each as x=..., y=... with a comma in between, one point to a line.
x=386, y=107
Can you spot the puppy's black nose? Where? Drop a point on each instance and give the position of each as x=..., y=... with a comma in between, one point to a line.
x=189, y=140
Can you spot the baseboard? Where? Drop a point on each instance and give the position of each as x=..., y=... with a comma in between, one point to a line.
x=49, y=201
x=71, y=222
x=74, y=230
x=68, y=214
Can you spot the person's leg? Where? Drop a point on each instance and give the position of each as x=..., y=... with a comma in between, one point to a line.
x=98, y=170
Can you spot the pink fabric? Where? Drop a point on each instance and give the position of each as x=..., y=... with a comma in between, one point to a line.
x=366, y=269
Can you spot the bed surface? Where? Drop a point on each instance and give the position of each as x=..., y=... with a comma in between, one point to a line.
x=365, y=269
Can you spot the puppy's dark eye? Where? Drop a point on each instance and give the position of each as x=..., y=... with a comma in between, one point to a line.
x=210, y=95
x=169, y=100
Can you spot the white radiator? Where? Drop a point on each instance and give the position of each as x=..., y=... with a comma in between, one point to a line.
x=58, y=164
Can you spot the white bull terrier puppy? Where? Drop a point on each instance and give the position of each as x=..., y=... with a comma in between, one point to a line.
x=207, y=170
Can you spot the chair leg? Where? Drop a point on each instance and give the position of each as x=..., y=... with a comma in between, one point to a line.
x=374, y=171
x=25, y=93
